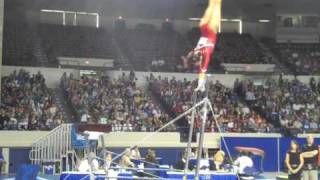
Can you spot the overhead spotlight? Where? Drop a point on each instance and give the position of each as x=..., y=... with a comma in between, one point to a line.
x=51, y=10
x=264, y=20
x=194, y=19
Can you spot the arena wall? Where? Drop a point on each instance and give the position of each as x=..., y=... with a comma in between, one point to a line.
x=24, y=139
x=19, y=139
x=15, y=147
x=170, y=140
x=160, y=140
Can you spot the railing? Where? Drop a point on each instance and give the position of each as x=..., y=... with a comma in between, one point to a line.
x=53, y=148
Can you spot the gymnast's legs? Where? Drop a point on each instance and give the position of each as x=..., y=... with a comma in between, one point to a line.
x=209, y=26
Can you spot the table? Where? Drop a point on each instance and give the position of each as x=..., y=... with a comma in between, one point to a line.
x=170, y=175
x=203, y=162
x=207, y=175
x=143, y=160
x=71, y=175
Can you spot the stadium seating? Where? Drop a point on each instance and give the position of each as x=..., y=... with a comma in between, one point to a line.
x=146, y=48
x=302, y=59
x=234, y=48
x=230, y=112
x=27, y=103
x=44, y=43
x=145, y=44
x=242, y=49
x=119, y=102
x=75, y=41
x=292, y=104
x=18, y=45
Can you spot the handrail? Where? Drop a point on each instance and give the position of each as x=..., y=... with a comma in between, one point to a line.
x=52, y=146
x=53, y=130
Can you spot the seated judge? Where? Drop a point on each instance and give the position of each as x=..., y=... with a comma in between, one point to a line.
x=126, y=161
x=151, y=156
x=218, y=160
x=135, y=153
x=89, y=163
x=182, y=162
x=242, y=163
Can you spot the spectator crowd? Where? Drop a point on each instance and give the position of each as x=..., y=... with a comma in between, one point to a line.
x=292, y=104
x=301, y=58
x=27, y=103
x=119, y=102
x=230, y=113
x=249, y=106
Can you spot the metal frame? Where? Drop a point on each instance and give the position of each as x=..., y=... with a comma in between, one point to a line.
x=205, y=103
x=53, y=148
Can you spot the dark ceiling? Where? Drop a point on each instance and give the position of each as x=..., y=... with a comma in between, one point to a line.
x=176, y=9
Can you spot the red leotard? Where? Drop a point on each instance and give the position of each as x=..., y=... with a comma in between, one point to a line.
x=207, y=51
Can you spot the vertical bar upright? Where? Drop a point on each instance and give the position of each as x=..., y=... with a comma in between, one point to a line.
x=201, y=138
x=190, y=137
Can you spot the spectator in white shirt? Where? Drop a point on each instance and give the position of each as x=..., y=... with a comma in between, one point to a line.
x=127, y=126
x=313, y=125
x=243, y=162
x=85, y=117
x=135, y=153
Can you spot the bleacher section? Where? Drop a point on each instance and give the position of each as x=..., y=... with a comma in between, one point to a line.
x=147, y=48
x=302, y=59
x=232, y=114
x=27, y=103
x=118, y=102
x=292, y=104
x=41, y=45
x=75, y=41
x=234, y=48
x=243, y=49
x=145, y=45
x=18, y=44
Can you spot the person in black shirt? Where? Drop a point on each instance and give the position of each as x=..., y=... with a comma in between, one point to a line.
x=182, y=162
x=294, y=161
x=310, y=155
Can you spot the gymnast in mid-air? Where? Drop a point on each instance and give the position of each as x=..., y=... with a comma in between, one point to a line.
x=209, y=26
